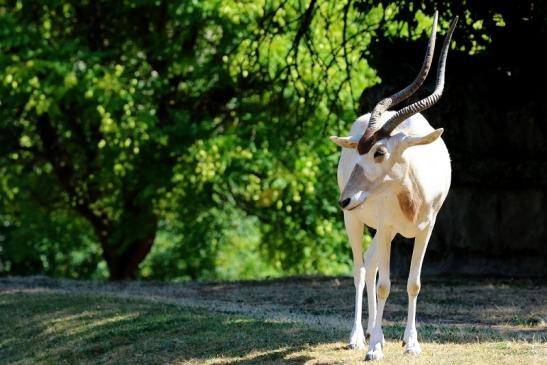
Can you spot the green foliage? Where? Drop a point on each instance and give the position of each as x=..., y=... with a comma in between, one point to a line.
x=200, y=126
x=43, y=244
x=37, y=235
x=208, y=117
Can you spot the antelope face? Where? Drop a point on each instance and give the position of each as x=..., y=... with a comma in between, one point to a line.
x=379, y=166
x=378, y=149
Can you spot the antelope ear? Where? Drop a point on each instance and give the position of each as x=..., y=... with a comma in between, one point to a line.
x=409, y=141
x=346, y=142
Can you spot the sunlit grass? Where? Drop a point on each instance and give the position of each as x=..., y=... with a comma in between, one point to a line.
x=85, y=323
x=73, y=328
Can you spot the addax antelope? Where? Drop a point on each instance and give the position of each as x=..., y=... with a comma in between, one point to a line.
x=394, y=175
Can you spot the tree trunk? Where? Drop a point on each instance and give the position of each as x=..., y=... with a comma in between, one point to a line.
x=126, y=248
x=125, y=266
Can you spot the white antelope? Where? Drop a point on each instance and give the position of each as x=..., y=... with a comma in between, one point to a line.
x=394, y=174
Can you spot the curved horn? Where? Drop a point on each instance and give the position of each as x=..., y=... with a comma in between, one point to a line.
x=404, y=94
x=425, y=103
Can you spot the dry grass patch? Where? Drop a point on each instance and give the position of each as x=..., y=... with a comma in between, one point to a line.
x=294, y=321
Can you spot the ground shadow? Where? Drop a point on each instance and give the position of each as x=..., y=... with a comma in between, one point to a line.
x=56, y=328
x=61, y=323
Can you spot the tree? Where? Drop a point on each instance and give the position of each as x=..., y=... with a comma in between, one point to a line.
x=83, y=101
x=198, y=130
x=139, y=112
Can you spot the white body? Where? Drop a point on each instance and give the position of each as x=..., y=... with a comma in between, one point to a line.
x=422, y=168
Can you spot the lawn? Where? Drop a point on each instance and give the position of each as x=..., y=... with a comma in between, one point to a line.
x=296, y=321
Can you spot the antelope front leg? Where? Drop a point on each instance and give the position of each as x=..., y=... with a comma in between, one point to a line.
x=371, y=268
x=383, y=250
x=410, y=339
x=354, y=229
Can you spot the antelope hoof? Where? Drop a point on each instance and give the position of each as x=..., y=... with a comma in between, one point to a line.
x=413, y=349
x=374, y=355
x=360, y=345
x=357, y=338
x=376, y=349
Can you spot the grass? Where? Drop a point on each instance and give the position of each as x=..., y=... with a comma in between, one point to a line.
x=295, y=321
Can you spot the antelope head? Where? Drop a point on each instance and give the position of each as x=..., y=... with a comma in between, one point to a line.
x=379, y=150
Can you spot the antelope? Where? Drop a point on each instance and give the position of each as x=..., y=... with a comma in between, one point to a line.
x=394, y=175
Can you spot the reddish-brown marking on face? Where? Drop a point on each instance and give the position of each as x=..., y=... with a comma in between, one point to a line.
x=410, y=204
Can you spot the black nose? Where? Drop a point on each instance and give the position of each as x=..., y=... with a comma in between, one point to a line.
x=344, y=203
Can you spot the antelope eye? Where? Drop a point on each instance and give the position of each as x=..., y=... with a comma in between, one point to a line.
x=379, y=153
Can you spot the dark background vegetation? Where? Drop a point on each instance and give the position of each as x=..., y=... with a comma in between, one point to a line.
x=183, y=140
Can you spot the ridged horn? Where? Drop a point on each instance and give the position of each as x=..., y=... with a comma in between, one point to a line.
x=408, y=91
x=429, y=101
